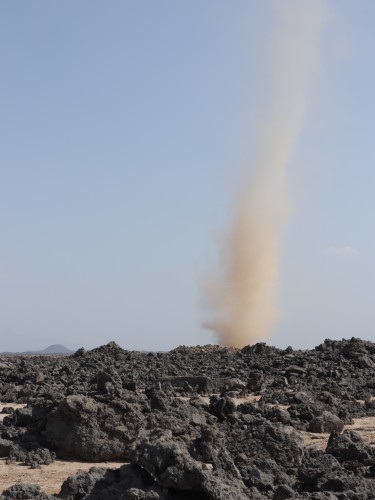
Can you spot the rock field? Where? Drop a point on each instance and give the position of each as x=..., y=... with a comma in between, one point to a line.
x=195, y=423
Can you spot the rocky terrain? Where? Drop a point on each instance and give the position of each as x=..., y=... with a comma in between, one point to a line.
x=195, y=423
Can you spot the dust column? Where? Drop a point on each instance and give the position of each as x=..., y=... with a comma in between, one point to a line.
x=243, y=290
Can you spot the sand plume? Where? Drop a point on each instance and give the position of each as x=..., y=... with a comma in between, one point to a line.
x=243, y=292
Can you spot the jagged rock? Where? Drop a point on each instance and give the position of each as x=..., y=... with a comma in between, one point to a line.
x=34, y=457
x=222, y=408
x=22, y=417
x=326, y=422
x=79, y=352
x=255, y=382
x=8, y=410
x=38, y=457
x=169, y=463
x=129, y=482
x=266, y=476
x=263, y=440
x=209, y=444
x=23, y=491
x=5, y=446
x=200, y=384
x=277, y=414
x=284, y=492
x=314, y=467
x=366, y=362
x=349, y=446
x=232, y=384
x=84, y=428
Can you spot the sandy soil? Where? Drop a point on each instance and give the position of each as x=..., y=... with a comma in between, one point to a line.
x=364, y=426
x=48, y=477
x=319, y=441
x=13, y=405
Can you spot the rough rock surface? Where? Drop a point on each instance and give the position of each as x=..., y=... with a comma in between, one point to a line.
x=128, y=482
x=185, y=421
x=24, y=492
x=81, y=426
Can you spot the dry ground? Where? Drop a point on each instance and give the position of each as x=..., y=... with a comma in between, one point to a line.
x=364, y=426
x=48, y=477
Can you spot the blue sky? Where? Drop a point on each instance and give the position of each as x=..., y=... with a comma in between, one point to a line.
x=123, y=125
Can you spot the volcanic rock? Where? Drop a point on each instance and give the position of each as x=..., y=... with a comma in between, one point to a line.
x=169, y=463
x=262, y=440
x=5, y=446
x=128, y=482
x=174, y=416
x=326, y=422
x=22, y=491
x=349, y=446
x=84, y=428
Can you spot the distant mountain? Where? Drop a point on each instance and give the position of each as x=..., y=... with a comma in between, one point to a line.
x=56, y=349
x=48, y=351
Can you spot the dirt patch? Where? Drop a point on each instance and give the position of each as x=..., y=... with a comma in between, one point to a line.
x=248, y=399
x=12, y=405
x=48, y=477
x=364, y=426
x=319, y=441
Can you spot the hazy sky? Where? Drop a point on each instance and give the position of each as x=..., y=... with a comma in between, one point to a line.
x=124, y=128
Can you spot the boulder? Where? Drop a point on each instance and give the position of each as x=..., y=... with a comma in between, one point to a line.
x=315, y=467
x=128, y=482
x=232, y=384
x=349, y=446
x=326, y=422
x=84, y=428
x=263, y=440
x=22, y=491
x=256, y=381
x=222, y=408
x=169, y=463
x=5, y=446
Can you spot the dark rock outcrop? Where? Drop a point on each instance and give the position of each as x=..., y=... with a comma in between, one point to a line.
x=349, y=446
x=91, y=430
x=177, y=418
